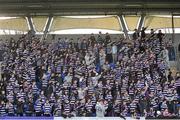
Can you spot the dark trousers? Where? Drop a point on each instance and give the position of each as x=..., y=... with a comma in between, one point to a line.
x=178, y=90
x=109, y=58
x=29, y=114
x=38, y=113
x=19, y=114
x=10, y=114
x=47, y=115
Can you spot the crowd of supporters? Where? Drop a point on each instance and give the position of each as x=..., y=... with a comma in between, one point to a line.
x=91, y=76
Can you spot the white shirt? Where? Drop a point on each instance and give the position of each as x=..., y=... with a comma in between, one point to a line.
x=114, y=49
x=100, y=110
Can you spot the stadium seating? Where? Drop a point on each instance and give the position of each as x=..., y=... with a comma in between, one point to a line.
x=88, y=78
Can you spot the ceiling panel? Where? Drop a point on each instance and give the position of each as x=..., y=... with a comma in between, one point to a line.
x=19, y=24
x=132, y=22
x=155, y=22
x=63, y=23
x=39, y=23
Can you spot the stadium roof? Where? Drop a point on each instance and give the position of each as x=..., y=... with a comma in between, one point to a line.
x=87, y=7
x=95, y=14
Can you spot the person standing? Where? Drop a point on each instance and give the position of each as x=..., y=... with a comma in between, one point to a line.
x=20, y=107
x=114, y=53
x=92, y=40
x=100, y=39
x=135, y=34
x=179, y=49
x=143, y=34
x=109, y=53
x=38, y=107
x=29, y=107
x=177, y=83
x=102, y=57
x=2, y=109
x=107, y=40
x=10, y=108
x=47, y=108
x=100, y=109
x=160, y=36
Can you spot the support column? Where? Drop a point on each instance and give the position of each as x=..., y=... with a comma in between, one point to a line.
x=175, y=43
x=47, y=27
x=124, y=27
x=140, y=25
x=173, y=31
x=0, y=71
x=29, y=19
